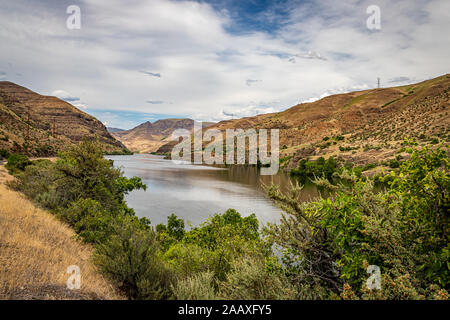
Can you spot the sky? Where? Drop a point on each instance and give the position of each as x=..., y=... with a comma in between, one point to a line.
x=133, y=61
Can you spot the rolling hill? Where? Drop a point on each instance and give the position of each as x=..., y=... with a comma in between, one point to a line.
x=40, y=125
x=360, y=127
x=149, y=137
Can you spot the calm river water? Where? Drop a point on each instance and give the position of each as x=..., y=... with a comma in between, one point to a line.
x=195, y=192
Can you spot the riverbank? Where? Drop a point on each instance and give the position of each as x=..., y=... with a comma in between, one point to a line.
x=36, y=250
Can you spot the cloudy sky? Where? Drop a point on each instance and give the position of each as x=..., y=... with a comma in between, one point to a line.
x=134, y=61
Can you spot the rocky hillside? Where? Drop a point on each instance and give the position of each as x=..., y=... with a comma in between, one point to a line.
x=149, y=137
x=360, y=127
x=37, y=248
x=43, y=125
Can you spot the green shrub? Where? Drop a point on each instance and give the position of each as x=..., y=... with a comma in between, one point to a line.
x=226, y=237
x=329, y=243
x=251, y=280
x=174, y=228
x=17, y=162
x=348, y=148
x=319, y=168
x=4, y=154
x=196, y=287
x=80, y=173
x=214, y=245
x=90, y=221
x=130, y=258
x=37, y=183
x=394, y=164
x=187, y=259
x=123, y=152
x=369, y=166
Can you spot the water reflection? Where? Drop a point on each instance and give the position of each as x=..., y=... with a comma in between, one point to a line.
x=195, y=192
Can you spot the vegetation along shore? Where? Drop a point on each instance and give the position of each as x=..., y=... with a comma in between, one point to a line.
x=323, y=246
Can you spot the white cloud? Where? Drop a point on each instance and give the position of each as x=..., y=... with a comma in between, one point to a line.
x=252, y=81
x=249, y=111
x=206, y=69
x=63, y=95
x=400, y=79
x=310, y=55
x=341, y=90
x=80, y=106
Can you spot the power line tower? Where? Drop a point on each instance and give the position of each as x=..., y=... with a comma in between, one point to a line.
x=378, y=82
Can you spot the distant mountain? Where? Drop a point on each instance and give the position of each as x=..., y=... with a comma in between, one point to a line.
x=148, y=137
x=360, y=127
x=40, y=125
x=112, y=130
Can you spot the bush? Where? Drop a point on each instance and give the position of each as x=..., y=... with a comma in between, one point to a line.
x=90, y=221
x=131, y=260
x=214, y=245
x=394, y=164
x=348, y=148
x=17, y=162
x=80, y=173
x=87, y=174
x=4, y=154
x=250, y=280
x=338, y=138
x=369, y=166
x=123, y=152
x=329, y=243
x=319, y=168
x=186, y=260
x=174, y=228
x=197, y=287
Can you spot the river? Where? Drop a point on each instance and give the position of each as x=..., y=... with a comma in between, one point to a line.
x=195, y=192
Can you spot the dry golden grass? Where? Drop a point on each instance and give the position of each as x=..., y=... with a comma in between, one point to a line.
x=35, y=251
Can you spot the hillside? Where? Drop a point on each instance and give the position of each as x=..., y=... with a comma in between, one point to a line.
x=43, y=125
x=37, y=248
x=148, y=137
x=360, y=127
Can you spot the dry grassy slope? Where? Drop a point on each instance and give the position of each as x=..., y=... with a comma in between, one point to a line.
x=35, y=251
x=42, y=125
x=148, y=137
x=373, y=122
